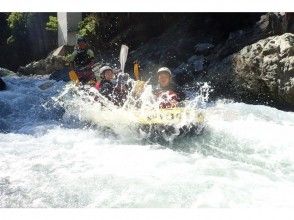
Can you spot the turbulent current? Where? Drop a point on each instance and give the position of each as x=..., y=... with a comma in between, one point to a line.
x=50, y=156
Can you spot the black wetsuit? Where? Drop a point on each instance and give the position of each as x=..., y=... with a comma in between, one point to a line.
x=115, y=93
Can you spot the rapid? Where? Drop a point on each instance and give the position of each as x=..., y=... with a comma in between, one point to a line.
x=58, y=150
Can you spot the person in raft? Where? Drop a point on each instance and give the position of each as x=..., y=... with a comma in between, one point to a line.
x=114, y=90
x=166, y=92
x=81, y=60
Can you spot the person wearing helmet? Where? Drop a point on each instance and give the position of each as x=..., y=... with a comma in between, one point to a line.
x=110, y=88
x=81, y=60
x=166, y=93
x=106, y=85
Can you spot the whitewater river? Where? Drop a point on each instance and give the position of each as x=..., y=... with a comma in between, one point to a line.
x=50, y=158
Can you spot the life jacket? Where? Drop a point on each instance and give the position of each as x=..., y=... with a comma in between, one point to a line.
x=167, y=97
x=86, y=76
x=82, y=58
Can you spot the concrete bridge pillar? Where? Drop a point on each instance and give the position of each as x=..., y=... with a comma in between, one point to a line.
x=68, y=27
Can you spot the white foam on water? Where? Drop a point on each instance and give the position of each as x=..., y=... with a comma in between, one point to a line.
x=243, y=159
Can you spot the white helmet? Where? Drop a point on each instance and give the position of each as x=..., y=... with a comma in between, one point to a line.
x=103, y=69
x=164, y=69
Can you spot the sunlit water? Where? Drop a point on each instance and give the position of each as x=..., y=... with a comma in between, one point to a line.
x=53, y=157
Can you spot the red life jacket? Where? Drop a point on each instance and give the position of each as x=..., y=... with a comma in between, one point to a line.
x=167, y=99
x=98, y=85
x=86, y=76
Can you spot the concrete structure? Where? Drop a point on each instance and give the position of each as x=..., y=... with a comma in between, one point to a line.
x=68, y=27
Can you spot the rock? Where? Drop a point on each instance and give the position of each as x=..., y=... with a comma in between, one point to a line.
x=2, y=84
x=169, y=58
x=44, y=66
x=198, y=63
x=170, y=49
x=60, y=75
x=183, y=74
x=203, y=48
x=183, y=68
x=189, y=70
x=5, y=72
x=270, y=24
x=263, y=71
x=62, y=51
x=220, y=76
x=46, y=85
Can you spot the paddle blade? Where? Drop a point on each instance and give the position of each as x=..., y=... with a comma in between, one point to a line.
x=136, y=71
x=73, y=76
x=123, y=56
x=138, y=89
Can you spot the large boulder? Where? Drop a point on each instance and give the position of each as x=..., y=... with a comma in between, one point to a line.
x=43, y=67
x=54, y=62
x=261, y=72
x=5, y=72
x=270, y=24
x=2, y=85
x=60, y=75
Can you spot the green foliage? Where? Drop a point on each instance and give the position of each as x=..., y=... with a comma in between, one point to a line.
x=89, y=25
x=18, y=24
x=68, y=58
x=11, y=40
x=52, y=24
x=15, y=19
x=19, y=20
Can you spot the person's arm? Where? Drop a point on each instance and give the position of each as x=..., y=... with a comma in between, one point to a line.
x=71, y=60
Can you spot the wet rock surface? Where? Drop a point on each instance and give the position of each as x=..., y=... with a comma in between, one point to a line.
x=263, y=71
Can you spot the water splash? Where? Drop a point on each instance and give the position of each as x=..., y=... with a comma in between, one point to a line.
x=134, y=118
x=48, y=158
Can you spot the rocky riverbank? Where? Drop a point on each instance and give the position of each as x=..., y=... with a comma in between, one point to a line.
x=253, y=64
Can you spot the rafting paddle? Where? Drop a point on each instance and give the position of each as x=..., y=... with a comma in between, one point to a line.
x=123, y=57
x=136, y=70
x=73, y=76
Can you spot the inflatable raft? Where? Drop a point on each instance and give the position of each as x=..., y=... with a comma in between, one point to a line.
x=164, y=125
